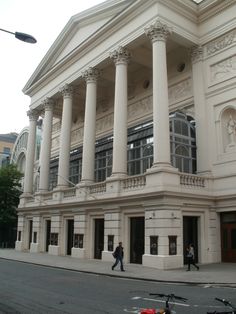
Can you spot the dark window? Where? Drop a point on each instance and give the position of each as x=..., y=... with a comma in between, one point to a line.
x=153, y=245
x=110, y=243
x=172, y=245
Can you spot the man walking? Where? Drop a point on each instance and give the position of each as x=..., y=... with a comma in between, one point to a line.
x=118, y=255
x=191, y=257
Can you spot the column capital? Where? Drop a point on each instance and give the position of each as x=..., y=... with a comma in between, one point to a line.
x=120, y=55
x=47, y=104
x=91, y=74
x=196, y=53
x=67, y=90
x=33, y=114
x=158, y=31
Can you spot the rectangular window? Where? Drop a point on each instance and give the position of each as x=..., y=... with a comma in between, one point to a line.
x=54, y=238
x=110, y=243
x=35, y=237
x=19, y=235
x=153, y=245
x=172, y=245
x=81, y=240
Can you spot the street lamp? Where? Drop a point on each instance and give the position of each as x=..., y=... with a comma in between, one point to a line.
x=22, y=36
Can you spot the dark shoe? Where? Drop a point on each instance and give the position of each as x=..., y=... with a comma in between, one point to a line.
x=122, y=270
x=187, y=269
x=198, y=268
x=112, y=268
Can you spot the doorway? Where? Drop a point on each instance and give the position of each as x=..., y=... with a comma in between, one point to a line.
x=228, y=237
x=98, y=237
x=30, y=233
x=136, y=239
x=48, y=231
x=190, y=235
x=70, y=235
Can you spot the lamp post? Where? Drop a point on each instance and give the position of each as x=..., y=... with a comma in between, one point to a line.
x=21, y=36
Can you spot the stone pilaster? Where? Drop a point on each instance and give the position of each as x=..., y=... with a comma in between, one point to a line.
x=65, y=137
x=46, y=145
x=198, y=78
x=120, y=57
x=91, y=75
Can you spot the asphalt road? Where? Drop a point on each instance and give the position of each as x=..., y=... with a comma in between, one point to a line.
x=31, y=289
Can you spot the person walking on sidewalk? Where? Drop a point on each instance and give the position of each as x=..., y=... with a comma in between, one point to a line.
x=191, y=257
x=118, y=255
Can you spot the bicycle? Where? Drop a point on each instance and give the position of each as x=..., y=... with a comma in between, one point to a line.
x=167, y=309
x=226, y=303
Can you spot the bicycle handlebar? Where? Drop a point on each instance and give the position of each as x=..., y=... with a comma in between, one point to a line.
x=171, y=296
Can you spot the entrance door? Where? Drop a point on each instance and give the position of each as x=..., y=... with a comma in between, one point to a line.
x=48, y=231
x=190, y=235
x=228, y=242
x=136, y=239
x=98, y=238
x=70, y=235
x=30, y=232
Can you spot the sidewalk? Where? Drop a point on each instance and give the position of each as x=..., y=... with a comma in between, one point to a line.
x=217, y=274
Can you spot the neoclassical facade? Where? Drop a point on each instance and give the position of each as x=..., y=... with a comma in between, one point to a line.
x=139, y=135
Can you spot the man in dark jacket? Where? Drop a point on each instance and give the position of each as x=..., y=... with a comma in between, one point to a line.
x=118, y=255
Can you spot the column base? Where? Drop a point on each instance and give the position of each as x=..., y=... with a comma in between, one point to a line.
x=78, y=252
x=53, y=249
x=163, y=261
x=19, y=246
x=162, y=175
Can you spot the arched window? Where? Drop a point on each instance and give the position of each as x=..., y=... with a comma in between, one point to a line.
x=183, y=142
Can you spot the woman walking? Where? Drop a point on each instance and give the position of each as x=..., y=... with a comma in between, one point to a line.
x=191, y=257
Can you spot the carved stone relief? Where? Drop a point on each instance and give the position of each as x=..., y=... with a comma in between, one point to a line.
x=140, y=108
x=221, y=43
x=228, y=129
x=224, y=69
x=180, y=91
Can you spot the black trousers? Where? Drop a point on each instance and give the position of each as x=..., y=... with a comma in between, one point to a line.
x=191, y=262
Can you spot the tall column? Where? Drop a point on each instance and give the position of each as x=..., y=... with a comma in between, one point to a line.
x=91, y=75
x=121, y=57
x=65, y=137
x=46, y=145
x=30, y=153
x=203, y=165
x=158, y=33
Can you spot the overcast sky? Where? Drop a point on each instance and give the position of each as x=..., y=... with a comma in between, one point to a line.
x=43, y=19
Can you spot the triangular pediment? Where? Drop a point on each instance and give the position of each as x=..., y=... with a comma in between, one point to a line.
x=79, y=28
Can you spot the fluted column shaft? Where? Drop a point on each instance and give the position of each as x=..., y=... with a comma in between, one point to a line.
x=90, y=76
x=30, y=153
x=121, y=57
x=200, y=110
x=65, y=137
x=158, y=34
x=46, y=145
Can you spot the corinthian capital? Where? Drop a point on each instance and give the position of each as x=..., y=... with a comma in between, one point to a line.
x=196, y=53
x=67, y=90
x=121, y=54
x=91, y=74
x=48, y=103
x=33, y=114
x=158, y=31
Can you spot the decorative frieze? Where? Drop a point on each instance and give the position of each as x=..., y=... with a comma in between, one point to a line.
x=121, y=54
x=158, y=31
x=180, y=91
x=223, y=69
x=221, y=43
x=140, y=108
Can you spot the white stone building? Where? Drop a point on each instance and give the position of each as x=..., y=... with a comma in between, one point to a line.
x=138, y=100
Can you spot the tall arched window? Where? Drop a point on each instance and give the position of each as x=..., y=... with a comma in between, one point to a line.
x=183, y=142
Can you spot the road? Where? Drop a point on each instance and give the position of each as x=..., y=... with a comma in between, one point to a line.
x=31, y=289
